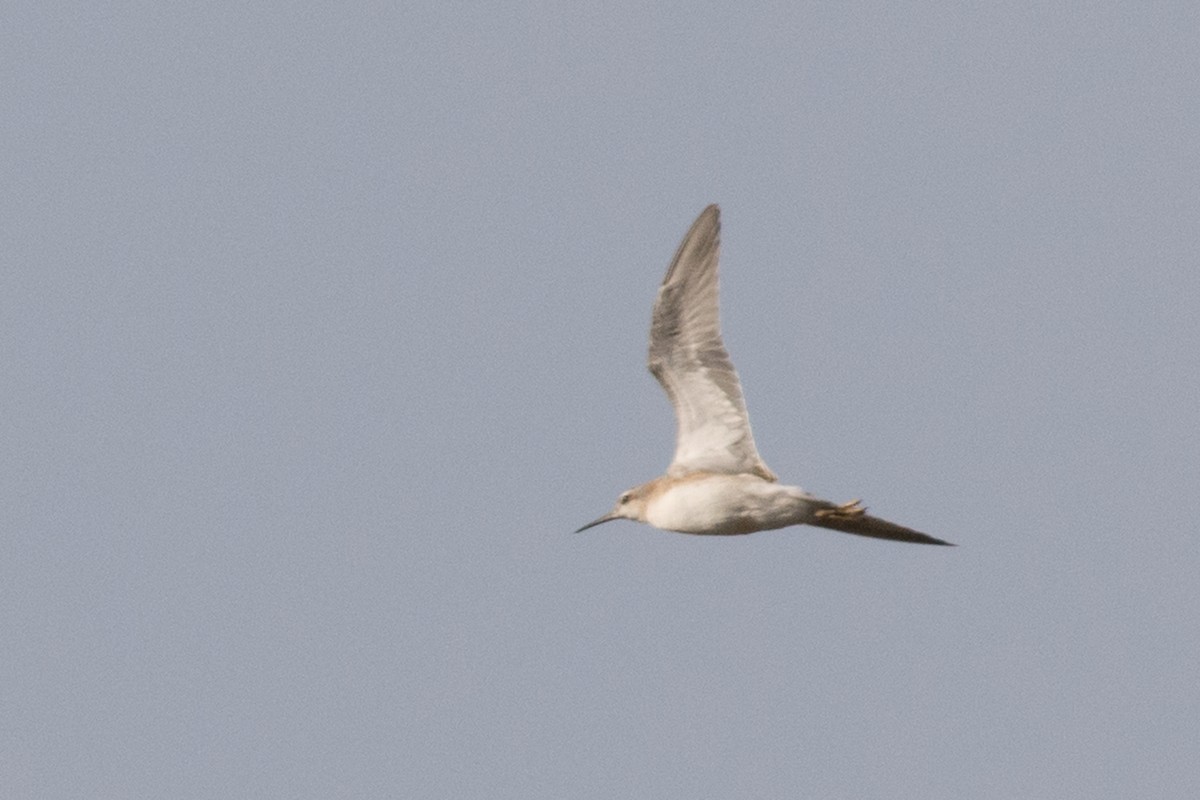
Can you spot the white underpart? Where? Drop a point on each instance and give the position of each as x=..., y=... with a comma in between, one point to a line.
x=728, y=504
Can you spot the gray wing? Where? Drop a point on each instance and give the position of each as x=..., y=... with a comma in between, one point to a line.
x=689, y=359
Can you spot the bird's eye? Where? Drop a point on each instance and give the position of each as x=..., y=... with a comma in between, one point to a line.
x=623, y=499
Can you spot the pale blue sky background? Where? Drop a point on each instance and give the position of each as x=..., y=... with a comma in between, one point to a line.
x=322, y=327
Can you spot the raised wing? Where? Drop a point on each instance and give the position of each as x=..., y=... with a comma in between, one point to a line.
x=689, y=359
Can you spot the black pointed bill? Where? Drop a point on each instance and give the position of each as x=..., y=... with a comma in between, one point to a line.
x=595, y=522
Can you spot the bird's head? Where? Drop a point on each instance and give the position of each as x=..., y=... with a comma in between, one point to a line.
x=630, y=505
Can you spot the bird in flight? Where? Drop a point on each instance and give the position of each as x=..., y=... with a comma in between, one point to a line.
x=717, y=482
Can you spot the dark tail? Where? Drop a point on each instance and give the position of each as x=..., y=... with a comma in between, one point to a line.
x=874, y=527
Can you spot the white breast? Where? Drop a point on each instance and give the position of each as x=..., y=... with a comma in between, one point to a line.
x=726, y=504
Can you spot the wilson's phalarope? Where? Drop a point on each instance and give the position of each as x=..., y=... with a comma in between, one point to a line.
x=717, y=483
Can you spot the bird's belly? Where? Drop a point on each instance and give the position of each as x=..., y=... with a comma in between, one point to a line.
x=724, y=505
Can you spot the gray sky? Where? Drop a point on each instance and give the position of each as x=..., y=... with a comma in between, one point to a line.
x=321, y=329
